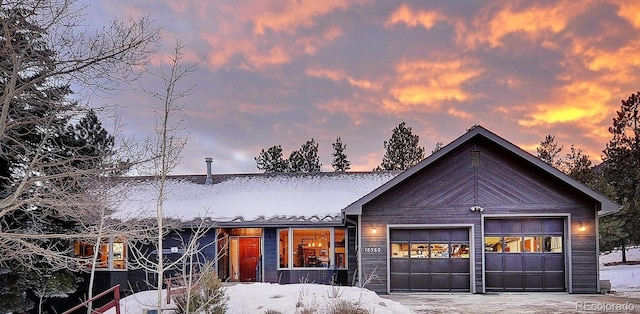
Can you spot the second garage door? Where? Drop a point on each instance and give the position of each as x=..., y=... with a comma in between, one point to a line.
x=524, y=254
x=429, y=260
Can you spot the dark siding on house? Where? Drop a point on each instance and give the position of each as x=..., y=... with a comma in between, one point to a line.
x=270, y=252
x=502, y=183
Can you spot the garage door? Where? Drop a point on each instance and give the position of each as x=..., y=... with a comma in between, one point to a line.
x=524, y=254
x=427, y=260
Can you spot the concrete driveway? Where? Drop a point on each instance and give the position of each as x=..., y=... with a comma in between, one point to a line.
x=518, y=303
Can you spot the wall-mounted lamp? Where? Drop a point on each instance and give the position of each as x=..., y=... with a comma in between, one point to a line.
x=374, y=230
x=582, y=228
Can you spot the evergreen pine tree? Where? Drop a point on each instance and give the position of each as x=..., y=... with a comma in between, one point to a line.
x=622, y=170
x=271, y=160
x=340, y=163
x=49, y=153
x=549, y=151
x=402, y=150
x=296, y=161
x=311, y=160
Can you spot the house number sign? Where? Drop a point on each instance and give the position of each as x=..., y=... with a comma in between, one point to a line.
x=373, y=250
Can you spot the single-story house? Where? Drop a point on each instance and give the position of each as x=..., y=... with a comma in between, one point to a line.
x=479, y=215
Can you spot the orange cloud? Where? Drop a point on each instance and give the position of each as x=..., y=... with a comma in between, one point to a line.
x=287, y=16
x=630, y=11
x=580, y=101
x=340, y=75
x=429, y=83
x=413, y=18
x=312, y=43
x=534, y=21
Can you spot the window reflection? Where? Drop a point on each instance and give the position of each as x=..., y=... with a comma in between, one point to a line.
x=527, y=244
x=111, y=254
x=283, y=250
x=553, y=244
x=439, y=250
x=419, y=250
x=493, y=244
x=459, y=251
x=513, y=244
x=533, y=244
x=399, y=250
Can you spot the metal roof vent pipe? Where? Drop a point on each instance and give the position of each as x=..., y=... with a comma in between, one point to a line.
x=208, y=160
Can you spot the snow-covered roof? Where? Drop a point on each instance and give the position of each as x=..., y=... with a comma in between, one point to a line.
x=259, y=199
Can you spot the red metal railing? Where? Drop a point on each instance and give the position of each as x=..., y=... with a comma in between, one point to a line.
x=113, y=303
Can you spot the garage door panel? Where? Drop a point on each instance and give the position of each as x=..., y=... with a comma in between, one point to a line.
x=440, y=282
x=493, y=262
x=397, y=265
x=400, y=282
x=460, y=282
x=460, y=265
x=440, y=265
x=553, y=226
x=513, y=262
x=534, y=281
x=554, y=281
x=532, y=226
x=533, y=262
x=554, y=262
x=439, y=235
x=419, y=266
x=513, y=281
x=459, y=235
x=419, y=282
x=493, y=279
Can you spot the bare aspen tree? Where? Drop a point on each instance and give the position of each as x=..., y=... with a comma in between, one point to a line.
x=168, y=146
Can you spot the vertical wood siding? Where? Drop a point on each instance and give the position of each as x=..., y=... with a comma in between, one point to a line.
x=502, y=183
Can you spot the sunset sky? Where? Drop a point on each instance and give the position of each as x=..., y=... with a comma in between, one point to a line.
x=283, y=72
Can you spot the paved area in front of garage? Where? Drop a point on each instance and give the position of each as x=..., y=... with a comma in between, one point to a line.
x=518, y=302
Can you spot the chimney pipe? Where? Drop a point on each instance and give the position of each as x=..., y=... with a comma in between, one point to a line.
x=208, y=160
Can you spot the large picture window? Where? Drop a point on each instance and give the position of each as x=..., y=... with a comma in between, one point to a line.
x=112, y=253
x=312, y=248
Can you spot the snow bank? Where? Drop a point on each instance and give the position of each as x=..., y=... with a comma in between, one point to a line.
x=286, y=299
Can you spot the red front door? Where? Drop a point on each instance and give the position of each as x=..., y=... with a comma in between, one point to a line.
x=249, y=254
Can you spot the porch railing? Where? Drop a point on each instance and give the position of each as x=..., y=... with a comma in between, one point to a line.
x=111, y=304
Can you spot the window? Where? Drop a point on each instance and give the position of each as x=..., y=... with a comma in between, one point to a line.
x=112, y=253
x=313, y=248
x=428, y=249
x=399, y=250
x=283, y=250
x=526, y=244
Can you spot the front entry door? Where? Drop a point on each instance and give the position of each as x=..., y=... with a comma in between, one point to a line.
x=249, y=253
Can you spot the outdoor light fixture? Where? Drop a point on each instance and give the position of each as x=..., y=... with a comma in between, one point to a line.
x=374, y=230
x=582, y=228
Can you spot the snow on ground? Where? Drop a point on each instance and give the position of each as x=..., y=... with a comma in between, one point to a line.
x=625, y=279
x=261, y=297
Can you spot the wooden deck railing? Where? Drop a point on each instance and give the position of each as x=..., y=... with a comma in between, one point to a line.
x=113, y=303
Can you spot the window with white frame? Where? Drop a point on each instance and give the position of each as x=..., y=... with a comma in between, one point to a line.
x=312, y=248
